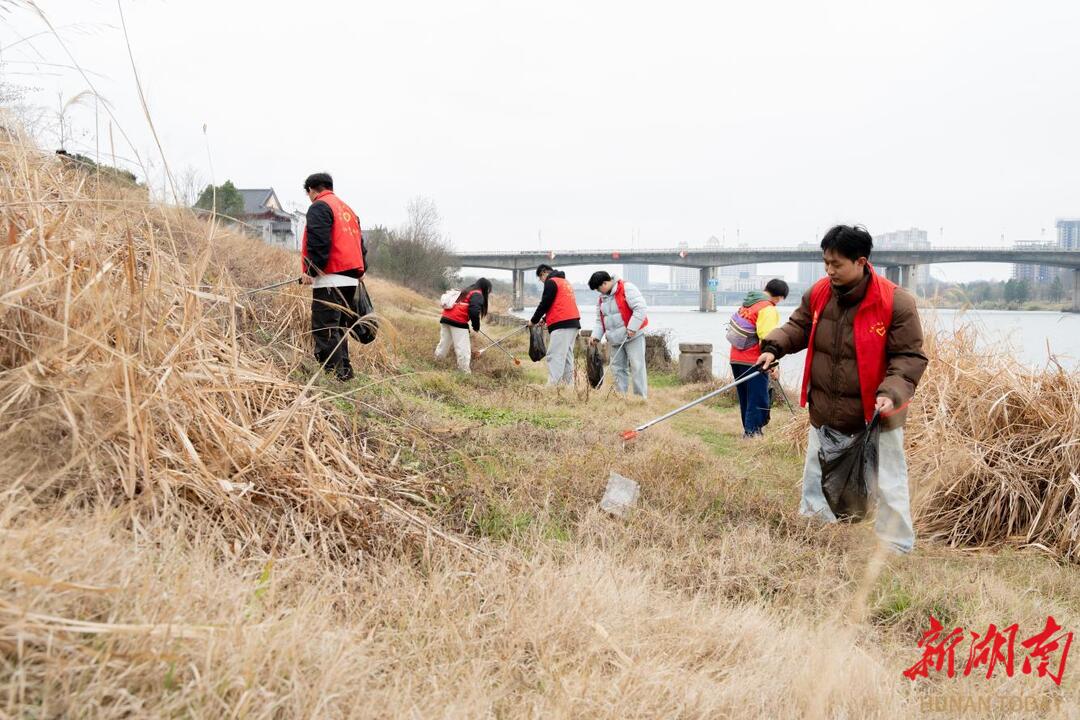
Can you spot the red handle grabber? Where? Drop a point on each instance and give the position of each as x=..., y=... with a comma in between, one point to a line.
x=631, y=435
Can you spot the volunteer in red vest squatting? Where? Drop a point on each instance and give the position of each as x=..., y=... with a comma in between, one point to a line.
x=864, y=352
x=332, y=255
x=620, y=316
x=470, y=305
x=756, y=318
x=559, y=310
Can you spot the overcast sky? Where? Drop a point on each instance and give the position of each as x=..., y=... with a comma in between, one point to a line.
x=586, y=124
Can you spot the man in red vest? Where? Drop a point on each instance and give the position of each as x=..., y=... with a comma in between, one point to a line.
x=863, y=340
x=558, y=308
x=620, y=317
x=333, y=261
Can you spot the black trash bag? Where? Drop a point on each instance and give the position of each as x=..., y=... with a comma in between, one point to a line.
x=594, y=364
x=849, y=466
x=364, y=328
x=537, y=344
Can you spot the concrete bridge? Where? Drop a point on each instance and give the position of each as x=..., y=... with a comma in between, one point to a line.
x=899, y=265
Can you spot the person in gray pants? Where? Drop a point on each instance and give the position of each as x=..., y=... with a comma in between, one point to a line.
x=620, y=316
x=558, y=308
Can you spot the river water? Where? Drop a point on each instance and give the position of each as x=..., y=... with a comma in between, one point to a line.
x=1026, y=334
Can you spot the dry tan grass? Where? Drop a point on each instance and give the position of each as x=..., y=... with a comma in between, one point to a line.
x=133, y=369
x=996, y=449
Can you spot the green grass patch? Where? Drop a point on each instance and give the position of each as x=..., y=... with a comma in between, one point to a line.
x=664, y=380
x=507, y=416
x=720, y=443
x=503, y=525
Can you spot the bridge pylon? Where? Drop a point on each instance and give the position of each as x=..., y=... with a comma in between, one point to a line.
x=518, y=301
x=708, y=292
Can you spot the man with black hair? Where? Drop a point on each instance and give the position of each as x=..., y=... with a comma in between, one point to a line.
x=620, y=317
x=333, y=260
x=558, y=308
x=749, y=324
x=863, y=340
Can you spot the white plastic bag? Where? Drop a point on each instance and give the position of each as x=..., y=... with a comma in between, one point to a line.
x=449, y=298
x=621, y=495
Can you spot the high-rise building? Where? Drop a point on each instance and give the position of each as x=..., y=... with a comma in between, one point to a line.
x=1035, y=275
x=810, y=272
x=733, y=271
x=637, y=274
x=684, y=278
x=1068, y=238
x=1068, y=234
x=910, y=239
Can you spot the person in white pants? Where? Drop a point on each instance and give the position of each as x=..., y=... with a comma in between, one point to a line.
x=620, y=317
x=462, y=308
x=559, y=311
x=460, y=340
x=864, y=341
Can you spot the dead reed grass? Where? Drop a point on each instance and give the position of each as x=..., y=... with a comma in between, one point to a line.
x=995, y=449
x=135, y=370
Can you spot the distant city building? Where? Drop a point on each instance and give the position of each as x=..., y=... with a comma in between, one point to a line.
x=730, y=271
x=636, y=274
x=810, y=272
x=1068, y=234
x=1068, y=238
x=265, y=217
x=745, y=283
x=910, y=239
x=684, y=278
x=1035, y=275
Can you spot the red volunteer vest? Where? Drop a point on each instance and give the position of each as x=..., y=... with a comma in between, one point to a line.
x=871, y=327
x=460, y=312
x=345, y=238
x=750, y=354
x=624, y=308
x=565, y=306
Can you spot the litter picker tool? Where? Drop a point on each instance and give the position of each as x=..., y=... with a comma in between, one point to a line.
x=784, y=394
x=631, y=434
x=493, y=342
x=612, y=362
x=499, y=342
x=271, y=287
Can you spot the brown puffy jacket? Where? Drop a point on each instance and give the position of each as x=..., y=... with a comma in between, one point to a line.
x=834, y=396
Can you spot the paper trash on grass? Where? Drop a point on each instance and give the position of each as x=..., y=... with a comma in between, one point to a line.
x=621, y=495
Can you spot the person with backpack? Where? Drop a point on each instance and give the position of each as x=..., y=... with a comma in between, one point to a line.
x=749, y=324
x=460, y=310
x=864, y=358
x=558, y=308
x=620, y=316
x=333, y=261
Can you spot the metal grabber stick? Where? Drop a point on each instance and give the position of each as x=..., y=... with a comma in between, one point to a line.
x=631, y=434
x=516, y=361
x=271, y=287
x=499, y=342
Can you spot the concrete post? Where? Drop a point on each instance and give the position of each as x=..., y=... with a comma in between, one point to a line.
x=695, y=362
x=1076, y=291
x=708, y=296
x=892, y=274
x=518, y=302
